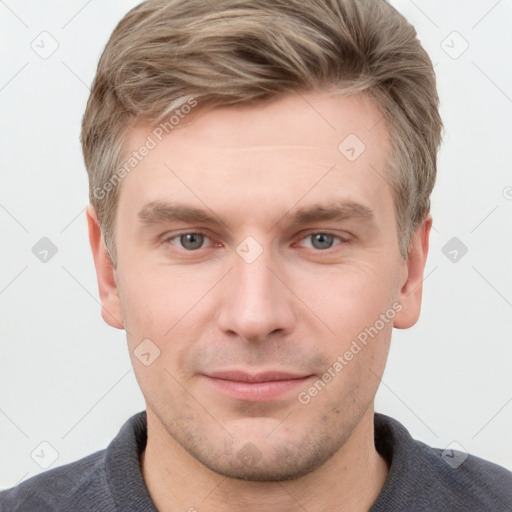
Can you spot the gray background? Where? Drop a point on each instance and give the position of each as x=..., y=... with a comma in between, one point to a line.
x=66, y=378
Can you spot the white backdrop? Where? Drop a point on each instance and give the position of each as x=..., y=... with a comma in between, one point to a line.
x=66, y=378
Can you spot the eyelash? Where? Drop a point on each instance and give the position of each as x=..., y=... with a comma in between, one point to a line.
x=179, y=235
x=341, y=240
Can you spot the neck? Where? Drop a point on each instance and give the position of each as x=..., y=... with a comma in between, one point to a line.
x=350, y=480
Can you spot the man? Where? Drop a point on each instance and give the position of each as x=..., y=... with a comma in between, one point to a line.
x=260, y=175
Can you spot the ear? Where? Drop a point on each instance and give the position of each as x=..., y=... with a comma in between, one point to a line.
x=105, y=273
x=412, y=281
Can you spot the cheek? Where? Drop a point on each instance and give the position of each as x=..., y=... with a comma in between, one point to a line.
x=357, y=359
x=351, y=297
x=356, y=297
x=162, y=312
x=154, y=300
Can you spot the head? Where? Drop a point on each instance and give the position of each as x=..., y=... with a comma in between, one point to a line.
x=260, y=176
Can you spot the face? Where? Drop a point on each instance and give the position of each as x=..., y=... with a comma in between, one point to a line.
x=258, y=280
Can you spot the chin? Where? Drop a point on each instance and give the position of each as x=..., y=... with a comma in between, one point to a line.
x=264, y=461
x=263, y=471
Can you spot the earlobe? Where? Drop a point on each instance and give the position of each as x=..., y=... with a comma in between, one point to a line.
x=410, y=294
x=105, y=273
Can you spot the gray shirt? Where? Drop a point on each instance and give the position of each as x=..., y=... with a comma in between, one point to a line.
x=421, y=478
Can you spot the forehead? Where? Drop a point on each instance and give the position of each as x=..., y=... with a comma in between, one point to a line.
x=300, y=148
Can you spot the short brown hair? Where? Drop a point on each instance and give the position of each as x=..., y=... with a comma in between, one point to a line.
x=166, y=53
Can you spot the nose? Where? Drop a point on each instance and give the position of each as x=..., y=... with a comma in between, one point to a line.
x=256, y=303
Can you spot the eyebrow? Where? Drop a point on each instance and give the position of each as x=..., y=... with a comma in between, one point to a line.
x=157, y=212
x=338, y=211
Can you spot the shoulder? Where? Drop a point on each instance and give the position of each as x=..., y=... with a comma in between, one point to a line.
x=61, y=488
x=472, y=479
x=108, y=480
x=425, y=478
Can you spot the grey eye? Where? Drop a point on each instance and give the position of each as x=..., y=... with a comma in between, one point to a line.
x=192, y=241
x=322, y=241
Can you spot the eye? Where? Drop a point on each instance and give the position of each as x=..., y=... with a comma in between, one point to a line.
x=322, y=241
x=189, y=241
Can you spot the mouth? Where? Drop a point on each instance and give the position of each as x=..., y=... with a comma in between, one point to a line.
x=255, y=387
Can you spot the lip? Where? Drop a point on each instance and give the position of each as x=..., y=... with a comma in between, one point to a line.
x=255, y=387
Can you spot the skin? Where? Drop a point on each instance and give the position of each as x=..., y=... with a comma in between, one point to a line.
x=295, y=308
